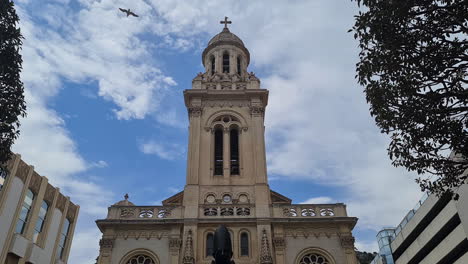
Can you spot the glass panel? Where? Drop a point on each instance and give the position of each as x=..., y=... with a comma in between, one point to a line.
x=24, y=213
x=244, y=244
x=226, y=62
x=234, y=138
x=19, y=226
x=209, y=245
x=218, y=155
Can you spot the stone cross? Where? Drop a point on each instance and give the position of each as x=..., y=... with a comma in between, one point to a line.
x=225, y=22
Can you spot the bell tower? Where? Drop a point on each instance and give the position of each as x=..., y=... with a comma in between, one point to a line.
x=226, y=154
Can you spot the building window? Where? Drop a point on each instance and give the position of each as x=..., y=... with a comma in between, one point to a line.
x=244, y=244
x=63, y=238
x=209, y=244
x=226, y=62
x=313, y=258
x=213, y=64
x=141, y=259
x=218, y=152
x=24, y=214
x=40, y=221
x=234, y=143
x=239, y=65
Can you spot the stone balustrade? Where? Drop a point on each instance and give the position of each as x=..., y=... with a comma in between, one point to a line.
x=227, y=211
x=144, y=212
x=309, y=210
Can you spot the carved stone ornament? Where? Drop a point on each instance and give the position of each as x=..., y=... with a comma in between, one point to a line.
x=175, y=243
x=347, y=241
x=279, y=243
x=257, y=110
x=127, y=212
x=106, y=243
x=265, y=254
x=188, y=253
x=195, y=111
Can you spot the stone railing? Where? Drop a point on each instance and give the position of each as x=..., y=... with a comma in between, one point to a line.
x=227, y=211
x=309, y=210
x=144, y=212
x=224, y=85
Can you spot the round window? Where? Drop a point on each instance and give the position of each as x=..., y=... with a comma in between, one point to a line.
x=227, y=198
x=210, y=198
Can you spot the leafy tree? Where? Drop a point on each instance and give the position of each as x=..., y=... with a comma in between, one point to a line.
x=413, y=65
x=12, y=104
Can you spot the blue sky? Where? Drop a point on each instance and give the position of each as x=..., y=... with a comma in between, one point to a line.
x=106, y=113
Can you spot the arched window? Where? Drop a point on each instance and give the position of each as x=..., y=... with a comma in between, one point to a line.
x=209, y=244
x=244, y=244
x=218, y=152
x=314, y=258
x=226, y=62
x=234, y=143
x=40, y=220
x=141, y=259
x=24, y=214
x=239, y=65
x=213, y=64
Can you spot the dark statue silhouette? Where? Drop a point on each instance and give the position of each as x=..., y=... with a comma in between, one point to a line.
x=222, y=253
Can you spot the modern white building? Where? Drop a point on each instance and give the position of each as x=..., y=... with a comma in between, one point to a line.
x=36, y=221
x=434, y=232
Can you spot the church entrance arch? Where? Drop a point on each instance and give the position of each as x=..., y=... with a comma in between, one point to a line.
x=140, y=256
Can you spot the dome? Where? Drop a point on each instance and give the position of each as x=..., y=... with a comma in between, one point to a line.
x=225, y=37
x=125, y=202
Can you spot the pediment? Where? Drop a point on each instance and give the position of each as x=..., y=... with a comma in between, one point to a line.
x=277, y=198
x=176, y=199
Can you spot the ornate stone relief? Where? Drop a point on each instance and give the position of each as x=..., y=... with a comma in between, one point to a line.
x=106, y=243
x=257, y=110
x=225, y=103
x=175, y=243
x=279, y=243
x=195, y=111
x=136, y=234
x=127, y=212
x=347, y=241
x=265, y=253
x=188, y=253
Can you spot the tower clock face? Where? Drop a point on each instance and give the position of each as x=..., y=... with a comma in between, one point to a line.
x=227, y=198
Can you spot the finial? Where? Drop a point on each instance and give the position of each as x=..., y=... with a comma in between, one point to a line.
x=225, y=22
x=126, y=196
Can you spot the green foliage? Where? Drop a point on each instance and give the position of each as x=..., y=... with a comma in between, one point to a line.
x=12, y=104
x=414, y=67
x=365, y=257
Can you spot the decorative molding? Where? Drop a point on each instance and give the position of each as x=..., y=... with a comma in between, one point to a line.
x=142, y=234
x=225, y=103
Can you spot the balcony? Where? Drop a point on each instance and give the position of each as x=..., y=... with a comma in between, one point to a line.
x=309, y=210
x=144, y=212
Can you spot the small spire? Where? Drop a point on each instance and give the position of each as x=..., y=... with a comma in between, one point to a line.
x=225, y=22
x=126, y=197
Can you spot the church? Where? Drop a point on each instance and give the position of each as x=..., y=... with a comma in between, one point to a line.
x=227, y=183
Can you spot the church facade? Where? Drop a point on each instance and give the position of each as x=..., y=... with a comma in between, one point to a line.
x=227, y=183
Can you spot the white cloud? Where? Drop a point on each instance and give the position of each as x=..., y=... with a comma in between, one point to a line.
x=319, y=200
x=85, y=246
x=366, y=247
x=163, y=150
